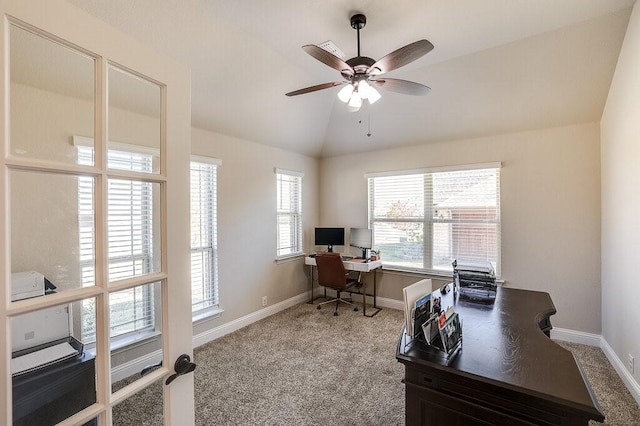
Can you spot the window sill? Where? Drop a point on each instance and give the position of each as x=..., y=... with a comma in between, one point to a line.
x=122, y=344
x=425, y=273
x=417, y=272
x=206, y=314
x=289, y=258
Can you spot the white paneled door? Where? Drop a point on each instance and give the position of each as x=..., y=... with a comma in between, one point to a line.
x=94, y=224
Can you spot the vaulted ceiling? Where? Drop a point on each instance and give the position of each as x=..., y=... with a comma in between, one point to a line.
x=498, y=66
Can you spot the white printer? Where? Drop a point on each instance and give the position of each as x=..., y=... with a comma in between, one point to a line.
x=28, y=284
x=42, y=337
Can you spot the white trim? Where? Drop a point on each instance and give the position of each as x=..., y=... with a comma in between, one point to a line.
x=620, y=367
x=117, y=146
x=573, y=336
x=288, y=172
x=135, y=366
x=237, y=324
x=495, y=165
x=289, y=257
x=598, y=341
x=206, y=160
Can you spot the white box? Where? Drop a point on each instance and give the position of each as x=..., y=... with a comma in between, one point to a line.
x=26, y=284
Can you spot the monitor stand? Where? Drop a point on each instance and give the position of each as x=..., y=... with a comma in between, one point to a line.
x=364, y=253
x=330, y=248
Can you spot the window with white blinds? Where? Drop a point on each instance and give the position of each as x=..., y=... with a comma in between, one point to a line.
x=204, y=239
x=424, y=219
x=130, y=237
x=289, y=212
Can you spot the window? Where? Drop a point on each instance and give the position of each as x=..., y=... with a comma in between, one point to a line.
x=131, y=245
x=289, y=213
x=204, y=242
x=424, y=219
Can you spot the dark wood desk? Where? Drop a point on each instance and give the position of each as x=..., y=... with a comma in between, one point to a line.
x=508, y=371
x=47, y=396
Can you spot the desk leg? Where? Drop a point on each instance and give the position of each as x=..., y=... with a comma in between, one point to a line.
x=375, y=286
x=375, y=306
x=364, y=298
x=310, y=285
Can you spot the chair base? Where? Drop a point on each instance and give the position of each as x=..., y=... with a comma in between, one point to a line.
x=337, y=301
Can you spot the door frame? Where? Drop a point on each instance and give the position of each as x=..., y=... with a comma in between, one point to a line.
x=69, y=23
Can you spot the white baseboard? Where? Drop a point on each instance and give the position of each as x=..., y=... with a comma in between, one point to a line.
x=573, y=336
x=625, y=375
x=237, y=324
x=135, y=366
x=597, y=340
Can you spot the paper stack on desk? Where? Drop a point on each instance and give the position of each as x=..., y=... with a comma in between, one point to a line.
x=411, y=295
x=41, y=358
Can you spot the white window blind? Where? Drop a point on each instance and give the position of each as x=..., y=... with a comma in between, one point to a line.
x=130, y=237
x=204, y=242
x=425, y=220
x=289, y=212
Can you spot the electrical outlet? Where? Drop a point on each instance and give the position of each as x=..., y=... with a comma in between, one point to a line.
x=264, y=300
x=630, y=364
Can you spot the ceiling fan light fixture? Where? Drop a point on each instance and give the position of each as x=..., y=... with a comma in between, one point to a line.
x=345, y=93
x=355, y=101
x=353, y=109
x=364, y=89
x=374, y=95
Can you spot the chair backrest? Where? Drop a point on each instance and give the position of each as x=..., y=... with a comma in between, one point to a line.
x=331, y=272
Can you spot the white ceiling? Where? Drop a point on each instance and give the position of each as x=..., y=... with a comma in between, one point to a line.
x=498, y=65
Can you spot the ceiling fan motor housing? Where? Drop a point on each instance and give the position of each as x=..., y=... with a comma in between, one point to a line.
x=360, y=65
x=358, y=21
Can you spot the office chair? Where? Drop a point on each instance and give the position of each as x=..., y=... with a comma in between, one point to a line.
x=332, y=274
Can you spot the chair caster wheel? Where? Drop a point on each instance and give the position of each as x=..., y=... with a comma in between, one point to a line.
x=318, y=307
x=355, y=309
x=335, y=314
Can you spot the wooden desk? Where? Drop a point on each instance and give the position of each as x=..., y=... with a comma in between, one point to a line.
x=50, y=395
x=507, y=372
x=351, y=265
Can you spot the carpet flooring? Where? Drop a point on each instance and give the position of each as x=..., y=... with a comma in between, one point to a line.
x=304, y=366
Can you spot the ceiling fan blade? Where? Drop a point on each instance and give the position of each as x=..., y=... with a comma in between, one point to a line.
x=328, y=59
x=316, y=88
x=401, y=57
x=401, y=86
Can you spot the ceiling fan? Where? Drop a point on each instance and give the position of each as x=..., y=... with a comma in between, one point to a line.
x=361, y=74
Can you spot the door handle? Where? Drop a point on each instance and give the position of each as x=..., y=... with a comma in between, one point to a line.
x=150, y=368
x=182, y=366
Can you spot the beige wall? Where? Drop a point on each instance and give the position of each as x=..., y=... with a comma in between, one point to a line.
x=247, y=223
x=44, y=207
x=550, y=200
x=620, y=128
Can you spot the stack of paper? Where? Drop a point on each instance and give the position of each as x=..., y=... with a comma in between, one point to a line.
x=41, y=358
x=411, y=294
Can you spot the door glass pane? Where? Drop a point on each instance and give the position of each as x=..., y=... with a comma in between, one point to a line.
x=136, y=349
x=134, y=120
x=51, y=97
x=133, y=228
x=53, y=372
x=143, y=408
x=52, y=226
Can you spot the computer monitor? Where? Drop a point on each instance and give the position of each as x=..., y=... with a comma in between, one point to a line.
x=361, y=238
x=329, y=237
